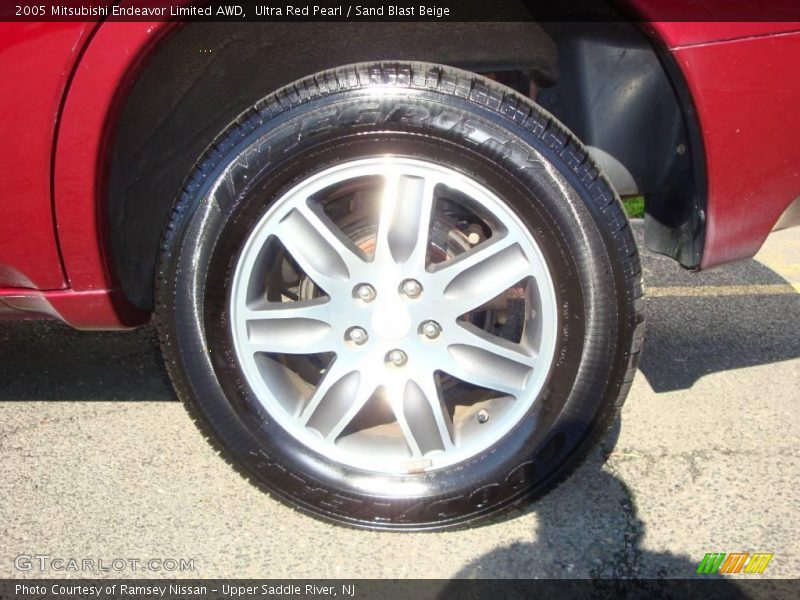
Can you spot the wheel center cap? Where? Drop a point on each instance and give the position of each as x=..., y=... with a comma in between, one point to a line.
x=391, y=322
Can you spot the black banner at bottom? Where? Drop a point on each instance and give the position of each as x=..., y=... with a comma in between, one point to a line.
x=367, y=589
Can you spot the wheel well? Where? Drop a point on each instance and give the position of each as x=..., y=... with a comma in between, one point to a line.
x=205, y=74
x=202, y=77
x=625, y=98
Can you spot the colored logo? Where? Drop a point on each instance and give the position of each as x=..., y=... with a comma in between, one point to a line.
x=741, y=562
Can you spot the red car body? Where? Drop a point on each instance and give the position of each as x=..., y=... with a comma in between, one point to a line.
x=64, y=84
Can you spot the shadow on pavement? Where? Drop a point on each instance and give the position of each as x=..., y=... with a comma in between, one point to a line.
x=688, y=336
x=587, y=528
x=45, y=360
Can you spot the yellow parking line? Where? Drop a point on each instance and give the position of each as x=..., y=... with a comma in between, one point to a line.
x=724, y=290
x=781, y=254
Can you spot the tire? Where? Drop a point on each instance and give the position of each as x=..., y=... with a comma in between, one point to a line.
x=499, y=166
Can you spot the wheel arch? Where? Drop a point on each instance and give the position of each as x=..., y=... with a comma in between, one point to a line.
x=623, y=95
x=205, y=75
x=145, y=104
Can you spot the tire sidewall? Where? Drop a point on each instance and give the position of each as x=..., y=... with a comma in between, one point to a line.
x=222, y=206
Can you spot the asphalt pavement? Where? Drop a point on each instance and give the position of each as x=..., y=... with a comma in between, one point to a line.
x=98, y=460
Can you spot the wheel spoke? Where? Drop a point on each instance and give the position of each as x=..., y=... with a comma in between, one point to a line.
x=336, y=371
x=395, y=394
x=404, y=221
x=290, y=327
x=489, y=361
x=482, y=274
x=322, y=252
x=336, y=404
x=426, y=415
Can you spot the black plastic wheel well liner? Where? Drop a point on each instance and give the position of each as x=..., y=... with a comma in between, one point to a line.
x=622, y=92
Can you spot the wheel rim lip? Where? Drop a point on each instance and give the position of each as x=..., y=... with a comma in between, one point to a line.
x=300, y=192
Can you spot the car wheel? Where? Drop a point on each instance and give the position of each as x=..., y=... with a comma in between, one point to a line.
x=400, y=296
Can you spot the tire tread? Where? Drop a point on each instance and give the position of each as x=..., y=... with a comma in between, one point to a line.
x=448, y=81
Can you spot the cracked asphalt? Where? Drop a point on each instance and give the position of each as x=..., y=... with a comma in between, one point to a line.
x=99, y=461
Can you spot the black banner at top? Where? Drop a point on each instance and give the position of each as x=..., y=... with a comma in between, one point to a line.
x=401, y=10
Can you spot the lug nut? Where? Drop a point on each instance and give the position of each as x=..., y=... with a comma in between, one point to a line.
x=397, y=357
x=357, y=335
x=431, y=329
x=411, y=288
x=483, y=415
x=365, y=292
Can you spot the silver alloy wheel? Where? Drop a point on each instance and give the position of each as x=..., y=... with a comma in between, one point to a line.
x=393, y=315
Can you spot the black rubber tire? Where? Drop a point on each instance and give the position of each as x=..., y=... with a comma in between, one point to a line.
x=470, y=123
